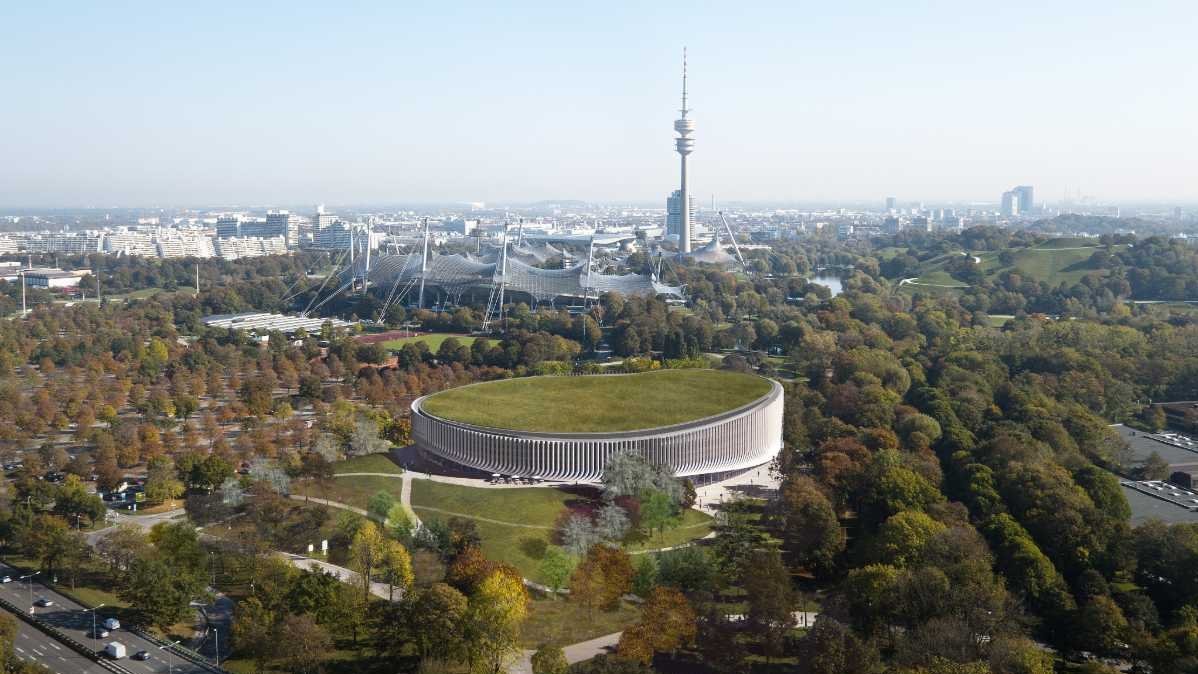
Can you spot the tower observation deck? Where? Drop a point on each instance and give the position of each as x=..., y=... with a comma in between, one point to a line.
x=684, y=145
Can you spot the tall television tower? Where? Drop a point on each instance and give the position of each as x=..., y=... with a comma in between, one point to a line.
x=684, y=144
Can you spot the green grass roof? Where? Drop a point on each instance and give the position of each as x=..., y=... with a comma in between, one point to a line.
x=598, y=404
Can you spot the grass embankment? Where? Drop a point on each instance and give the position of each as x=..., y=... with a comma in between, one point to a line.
x=612, y=403
x=371, y=463
x=537, y=508
x=1056, y=261
x=433, y=340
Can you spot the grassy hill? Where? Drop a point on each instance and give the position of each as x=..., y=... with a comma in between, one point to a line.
x=1056, y=261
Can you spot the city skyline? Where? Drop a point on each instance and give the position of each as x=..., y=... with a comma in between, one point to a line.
x=145, y=106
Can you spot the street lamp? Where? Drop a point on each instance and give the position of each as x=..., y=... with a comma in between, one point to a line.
x=95, y=634
x=170, y=667
x=30, y=578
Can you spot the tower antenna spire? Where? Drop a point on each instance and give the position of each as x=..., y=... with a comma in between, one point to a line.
x=684, y=108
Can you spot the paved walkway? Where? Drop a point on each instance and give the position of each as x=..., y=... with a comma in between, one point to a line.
x=583, y=650
x=758, y=483
x=381, y=590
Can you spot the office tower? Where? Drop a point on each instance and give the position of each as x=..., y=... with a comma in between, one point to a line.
x=891, y=203
x=674, y=214
x=1010, y=203
x=684, y=145
x=280, y=223
x=1026, y=197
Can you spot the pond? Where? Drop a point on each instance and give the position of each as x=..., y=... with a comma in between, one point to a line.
x=830, y=282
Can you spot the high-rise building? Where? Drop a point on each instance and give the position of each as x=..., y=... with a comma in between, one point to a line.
x=674, y=214
x=1026, y=196
x=1010, y=204
x=891, y=203
x=684, y=145
x=278, y=223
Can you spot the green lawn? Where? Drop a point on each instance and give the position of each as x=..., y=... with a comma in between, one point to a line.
x=371, y=463
x=612, y=402
x=433, y=339
x=565, y=622
x=353, y=491
x=524, y=547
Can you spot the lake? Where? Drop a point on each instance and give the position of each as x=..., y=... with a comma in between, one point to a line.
x=830, y=282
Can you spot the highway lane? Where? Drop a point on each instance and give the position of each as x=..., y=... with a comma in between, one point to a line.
x=69, y=617
x=34, y=645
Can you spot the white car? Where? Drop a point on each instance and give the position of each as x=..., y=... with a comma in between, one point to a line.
x=6, y=579
x=112, y=624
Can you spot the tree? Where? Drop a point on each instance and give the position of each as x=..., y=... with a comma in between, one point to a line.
x=550, y=660
x=901, y=539
x=1154, y=467
x=75, y=501
x=158, y=593
x=396, y=568
x=365, y=555
x=658, y=511
x=436, y=621
x=253, y=632
x=770, y=597
x=161, y=482
x=690, y=569
x=379, y=505
x=308, y=644
x=831, y=648
x=601, y=578
x=629, y=474
x=496, y=611
x=555, y=568
x=365, y=438
x=812, y=534
x=667, y=623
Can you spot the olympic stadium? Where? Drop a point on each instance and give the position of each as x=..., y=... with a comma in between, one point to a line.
x=702, y=424
x=456, y=274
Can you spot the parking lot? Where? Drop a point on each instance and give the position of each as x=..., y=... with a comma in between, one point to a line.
x=1152, y=499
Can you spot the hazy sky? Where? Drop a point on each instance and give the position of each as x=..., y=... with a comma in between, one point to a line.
x=106, y=104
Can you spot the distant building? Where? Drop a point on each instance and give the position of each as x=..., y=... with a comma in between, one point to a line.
x=1010, y=204
x=674, y=213
x=1026, y=196
x=228, y=226
x=238, y=247
x=277, y=223
x=891, y=203
x=53, y=279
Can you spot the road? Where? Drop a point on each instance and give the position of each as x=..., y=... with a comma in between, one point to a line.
x=69, y=617
x=34, y=645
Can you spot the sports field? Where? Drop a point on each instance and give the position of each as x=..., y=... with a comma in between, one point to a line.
x=598, y=404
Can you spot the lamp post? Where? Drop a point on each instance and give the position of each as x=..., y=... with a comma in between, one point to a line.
x=30, y=579
x=170, y=667
x=95, y=633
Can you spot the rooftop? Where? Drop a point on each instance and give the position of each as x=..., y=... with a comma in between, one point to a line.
x=599, y=403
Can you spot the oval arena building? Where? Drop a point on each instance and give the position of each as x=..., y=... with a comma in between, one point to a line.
x=703, y=424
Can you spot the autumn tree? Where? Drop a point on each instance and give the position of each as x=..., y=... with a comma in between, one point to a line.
x=601, y=578
x=667, y=623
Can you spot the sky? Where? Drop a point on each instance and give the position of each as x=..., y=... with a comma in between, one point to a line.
x=173, y=104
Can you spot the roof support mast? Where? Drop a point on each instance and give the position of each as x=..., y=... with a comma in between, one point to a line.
x=423, y=266
x=732, y=238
